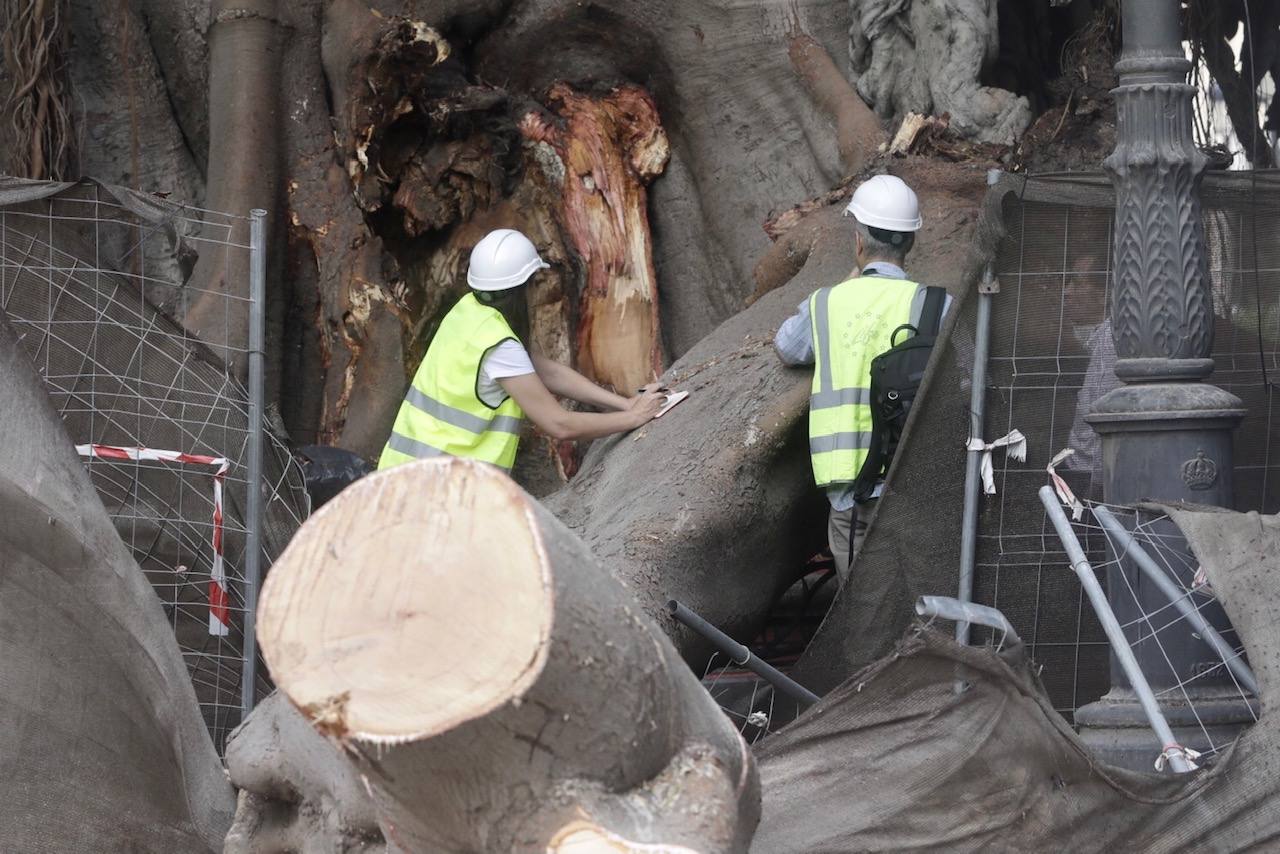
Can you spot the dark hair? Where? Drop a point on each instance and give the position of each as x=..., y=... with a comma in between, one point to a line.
x=513, y=305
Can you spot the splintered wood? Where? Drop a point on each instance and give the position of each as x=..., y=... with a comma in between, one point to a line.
x=610, y=148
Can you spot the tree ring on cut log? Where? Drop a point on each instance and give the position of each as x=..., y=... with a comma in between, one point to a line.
x=396, y=625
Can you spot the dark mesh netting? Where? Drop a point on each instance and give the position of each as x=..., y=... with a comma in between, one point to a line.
x=84, y=273
x=1050, y=358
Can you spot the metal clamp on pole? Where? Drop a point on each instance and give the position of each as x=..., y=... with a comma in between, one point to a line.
x=1170, y=748
x=953, y=609
x=740, y=655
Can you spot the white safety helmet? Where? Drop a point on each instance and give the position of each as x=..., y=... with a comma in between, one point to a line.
x=886, y=202
x=504, y=258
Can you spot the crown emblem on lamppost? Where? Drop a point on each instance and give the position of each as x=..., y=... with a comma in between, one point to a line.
x=1200, y=473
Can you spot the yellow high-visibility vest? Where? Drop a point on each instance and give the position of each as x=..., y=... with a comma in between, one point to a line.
x=852, y=324
x=442, y=412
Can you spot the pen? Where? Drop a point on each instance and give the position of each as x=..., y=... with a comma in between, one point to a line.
x=664, y=390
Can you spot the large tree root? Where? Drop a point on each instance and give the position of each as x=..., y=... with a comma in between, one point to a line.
x=714, y=504
x=101, y=747
x=298, y=793
x=494, y=685
x=858, y=131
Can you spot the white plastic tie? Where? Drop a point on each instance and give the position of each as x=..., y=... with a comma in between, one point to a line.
x=1172, y=750
x=1065, y=495
x=1015, y=445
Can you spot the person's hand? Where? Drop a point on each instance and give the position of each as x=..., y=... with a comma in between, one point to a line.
x=648, y=403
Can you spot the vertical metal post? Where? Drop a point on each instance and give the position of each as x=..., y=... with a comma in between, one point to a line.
x=1166, y=434
x=977, y=415
x=1119, y=643
x=253, y=503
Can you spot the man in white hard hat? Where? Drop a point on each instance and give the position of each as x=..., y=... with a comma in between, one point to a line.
x=839, y=330
x=478, y=380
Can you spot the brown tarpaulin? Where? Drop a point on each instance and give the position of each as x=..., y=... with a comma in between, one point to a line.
x=895, y=759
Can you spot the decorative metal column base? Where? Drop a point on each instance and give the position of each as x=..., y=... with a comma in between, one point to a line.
x=1169, y=441
x=1115, y=729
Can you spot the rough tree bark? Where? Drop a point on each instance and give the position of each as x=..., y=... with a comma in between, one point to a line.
x=506, y=699
x=102, y=746
x=35, y=105
x=926, y=56
x=297, y=792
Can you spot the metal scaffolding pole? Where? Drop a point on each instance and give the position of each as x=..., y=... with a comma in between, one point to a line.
x=253, y=502
x=1129, y=548
x=742, y=656
x=1119, y=643
x=977, y=417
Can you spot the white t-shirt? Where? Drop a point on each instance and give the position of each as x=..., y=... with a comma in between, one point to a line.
x=508, y=359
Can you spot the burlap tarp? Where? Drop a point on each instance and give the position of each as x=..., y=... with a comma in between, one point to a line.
x=896, y=759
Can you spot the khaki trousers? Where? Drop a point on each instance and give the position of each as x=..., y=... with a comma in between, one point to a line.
x=842, y=541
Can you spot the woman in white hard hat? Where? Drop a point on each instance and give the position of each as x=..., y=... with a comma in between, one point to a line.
x=478, y=380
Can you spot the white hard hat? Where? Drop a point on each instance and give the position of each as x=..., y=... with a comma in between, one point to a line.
x=886, y=202
x=503, y=259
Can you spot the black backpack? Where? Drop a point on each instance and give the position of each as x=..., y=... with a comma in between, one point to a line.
x=895, y=378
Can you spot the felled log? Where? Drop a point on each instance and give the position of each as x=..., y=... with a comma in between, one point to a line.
x=493, y=684
x=101, y=743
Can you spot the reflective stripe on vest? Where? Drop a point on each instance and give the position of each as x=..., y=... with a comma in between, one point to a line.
x=442, y=412
x=852, y=324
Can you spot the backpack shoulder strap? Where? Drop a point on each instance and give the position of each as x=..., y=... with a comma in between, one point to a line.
x=931, y=315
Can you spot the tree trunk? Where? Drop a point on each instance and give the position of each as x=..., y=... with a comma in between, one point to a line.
x=523, y=675
x=102, y=747
x=244, y=165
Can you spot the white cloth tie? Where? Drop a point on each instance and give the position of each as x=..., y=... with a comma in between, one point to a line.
x=1169, y=752
x=1015, y=445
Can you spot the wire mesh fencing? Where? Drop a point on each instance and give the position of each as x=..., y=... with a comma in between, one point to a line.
x=1051, y=358
x=96, y=282
x=1185, y=651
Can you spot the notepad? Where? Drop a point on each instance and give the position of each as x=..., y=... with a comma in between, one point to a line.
x=672, y=399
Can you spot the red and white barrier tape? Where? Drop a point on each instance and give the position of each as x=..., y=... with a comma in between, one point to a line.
x=1065, y=495
x=219, y=601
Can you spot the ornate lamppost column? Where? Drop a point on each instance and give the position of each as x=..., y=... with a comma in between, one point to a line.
x=1165, y=434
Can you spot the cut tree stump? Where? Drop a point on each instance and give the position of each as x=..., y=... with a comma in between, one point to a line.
x=495, y=686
